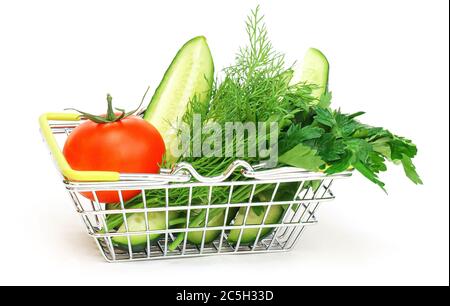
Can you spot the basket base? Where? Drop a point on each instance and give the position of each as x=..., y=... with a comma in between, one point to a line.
x=157, y=249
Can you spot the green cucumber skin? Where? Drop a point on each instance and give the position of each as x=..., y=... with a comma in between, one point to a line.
x=316, y=70
x=197, y=236
x=249, y=235
x=136, y=223
x=190, y=74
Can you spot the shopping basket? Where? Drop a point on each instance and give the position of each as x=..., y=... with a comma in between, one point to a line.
x=110, y=225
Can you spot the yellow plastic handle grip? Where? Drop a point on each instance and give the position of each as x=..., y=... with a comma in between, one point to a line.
x=63, y=165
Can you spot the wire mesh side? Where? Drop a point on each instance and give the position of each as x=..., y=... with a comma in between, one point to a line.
x=212, y=212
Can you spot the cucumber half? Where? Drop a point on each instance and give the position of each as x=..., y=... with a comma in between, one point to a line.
x=249, y=235
x=136, y=223
x=315, y=71
x=210, y=235
x=190, y=75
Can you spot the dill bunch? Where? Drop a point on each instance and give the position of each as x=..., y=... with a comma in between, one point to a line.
x=252, y=86
x=254, y=89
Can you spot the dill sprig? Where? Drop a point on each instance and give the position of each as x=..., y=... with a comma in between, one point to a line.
x=254, y=83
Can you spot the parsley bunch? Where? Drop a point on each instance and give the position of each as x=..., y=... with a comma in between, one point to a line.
x=333, y=142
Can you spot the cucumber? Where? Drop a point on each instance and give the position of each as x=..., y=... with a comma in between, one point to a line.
x=315, y=71
x=136, y=223
x=249, y=235
x=218, y=220
x=190, y=75
x=286, y=192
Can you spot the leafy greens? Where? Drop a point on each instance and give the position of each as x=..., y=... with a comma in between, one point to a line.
x=312, y=135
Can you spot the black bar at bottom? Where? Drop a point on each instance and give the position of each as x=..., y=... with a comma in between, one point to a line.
x=228, y=295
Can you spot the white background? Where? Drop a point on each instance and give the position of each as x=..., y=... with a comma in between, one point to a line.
x=389, y=58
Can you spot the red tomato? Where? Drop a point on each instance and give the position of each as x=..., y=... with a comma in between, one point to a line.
x=131, y=145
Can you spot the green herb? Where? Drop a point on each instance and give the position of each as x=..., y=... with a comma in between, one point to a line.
x=302, y=156
x=346, y=143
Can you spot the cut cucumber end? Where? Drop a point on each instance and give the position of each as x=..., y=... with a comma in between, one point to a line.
x=196, y=237
x=249, y=236
x=313, y=70
x=137, y=223
x=190, y=75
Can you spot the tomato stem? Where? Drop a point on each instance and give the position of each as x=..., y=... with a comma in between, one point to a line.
x=110, y=116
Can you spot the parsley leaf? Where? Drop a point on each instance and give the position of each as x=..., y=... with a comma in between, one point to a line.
x=325, y=117
x=368, y=173
x=302, y=156
x=296, y=134
x=410, y=170
x=325, y=100
x=330, y=148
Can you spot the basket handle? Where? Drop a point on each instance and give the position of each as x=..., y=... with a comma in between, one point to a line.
x=63, y=165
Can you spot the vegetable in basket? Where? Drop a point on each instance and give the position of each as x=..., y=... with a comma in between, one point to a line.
x=190, y=75
x=137, y=223
x=196, y=237
x=253, y=218
x=117, y=142
x=256, y=215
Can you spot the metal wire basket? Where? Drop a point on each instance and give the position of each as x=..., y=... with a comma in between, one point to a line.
x=239, y=221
